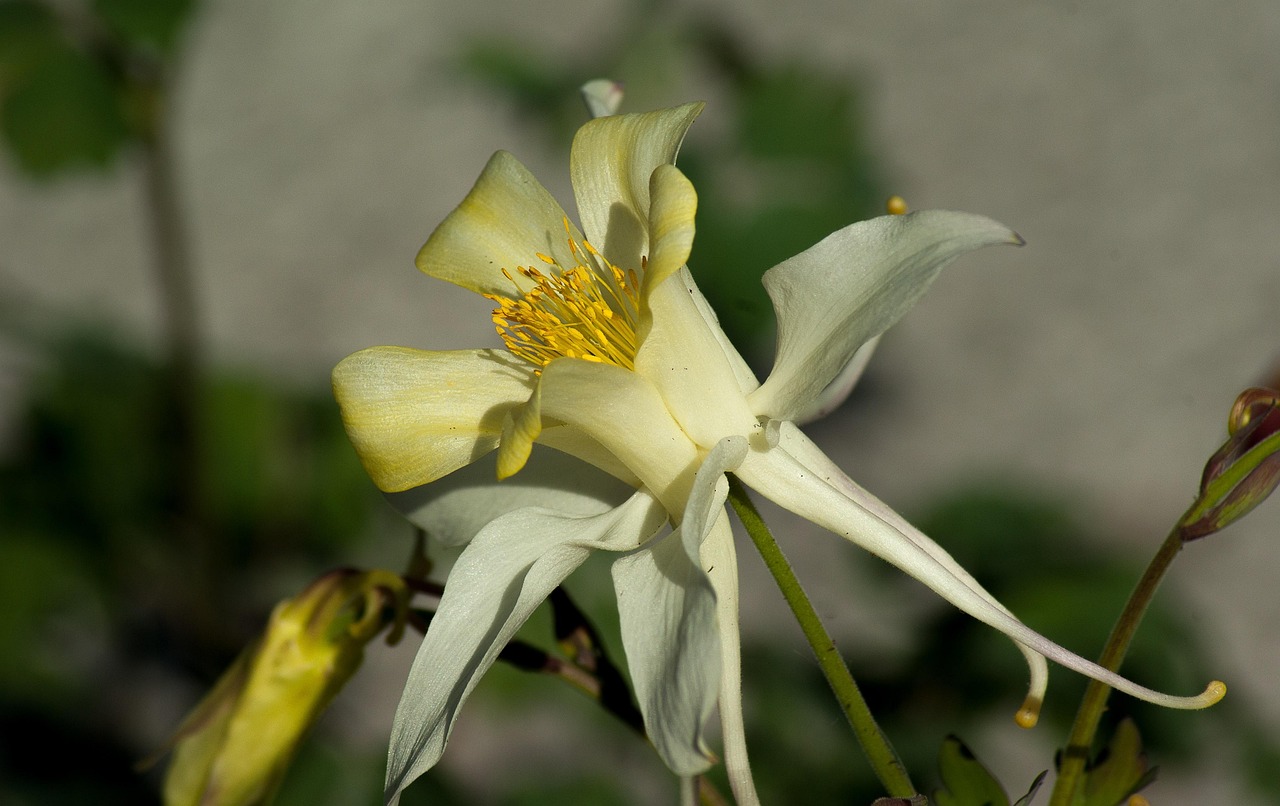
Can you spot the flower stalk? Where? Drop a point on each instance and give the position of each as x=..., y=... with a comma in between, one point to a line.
x=1239, y=476
x=875, y=744
x=1076, y=754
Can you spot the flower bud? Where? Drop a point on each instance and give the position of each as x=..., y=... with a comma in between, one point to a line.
x=235, y=747
x=1244, y=471
x=602, y=97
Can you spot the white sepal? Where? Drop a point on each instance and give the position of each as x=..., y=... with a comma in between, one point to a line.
x=850, y=287
x=505, y=572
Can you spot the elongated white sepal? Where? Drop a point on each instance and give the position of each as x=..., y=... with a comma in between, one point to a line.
x=791, y=440
x=506, y=571
x=667, y=607
x=836, y=392
x=857, y=516
x=721, y=561
x=850, y=287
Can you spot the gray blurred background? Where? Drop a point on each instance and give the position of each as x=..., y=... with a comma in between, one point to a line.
x=1133, y=145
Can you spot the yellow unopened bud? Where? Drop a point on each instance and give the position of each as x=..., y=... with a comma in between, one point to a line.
x=234, y=748
x=895, y=205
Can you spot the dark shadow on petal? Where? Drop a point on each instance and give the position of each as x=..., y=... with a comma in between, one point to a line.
x=454, y=508
x=627, y=238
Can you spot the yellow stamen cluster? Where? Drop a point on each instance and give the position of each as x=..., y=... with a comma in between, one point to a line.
x=583, y=312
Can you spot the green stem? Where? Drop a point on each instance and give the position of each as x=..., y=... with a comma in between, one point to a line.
x=875, y=745
x=1080, y=740
x=176, y=286
x=199, y=551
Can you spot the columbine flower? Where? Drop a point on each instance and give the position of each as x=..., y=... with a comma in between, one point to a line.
x=613, y=357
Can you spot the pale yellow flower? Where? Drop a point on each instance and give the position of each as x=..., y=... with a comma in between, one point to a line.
x=614, y=358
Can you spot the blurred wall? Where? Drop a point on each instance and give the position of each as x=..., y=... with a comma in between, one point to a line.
x=1133, y=144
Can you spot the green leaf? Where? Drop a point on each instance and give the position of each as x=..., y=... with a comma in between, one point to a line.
x=62, y=112
x=965, y=781
x=146, y=23
x=1119, y=770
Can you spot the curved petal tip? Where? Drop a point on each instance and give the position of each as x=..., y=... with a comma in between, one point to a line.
x=1029, y=714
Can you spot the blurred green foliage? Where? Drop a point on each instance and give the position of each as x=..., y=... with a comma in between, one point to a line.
x=100, y=580
x=76, y=79
x=151, y=25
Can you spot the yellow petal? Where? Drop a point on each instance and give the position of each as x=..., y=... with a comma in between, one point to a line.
x=570, y=440
x=610, y=164
x=506, y=219
x=620, y=411
x=671, y=224
x=520, y=428
x=416, y=415
x=682, y=357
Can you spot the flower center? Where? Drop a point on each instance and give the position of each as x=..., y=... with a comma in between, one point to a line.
x=585, y=312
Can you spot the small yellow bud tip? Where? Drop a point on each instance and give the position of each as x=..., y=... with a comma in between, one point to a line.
x=896, y=205
x=1029, y=714
x=1214, y=693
